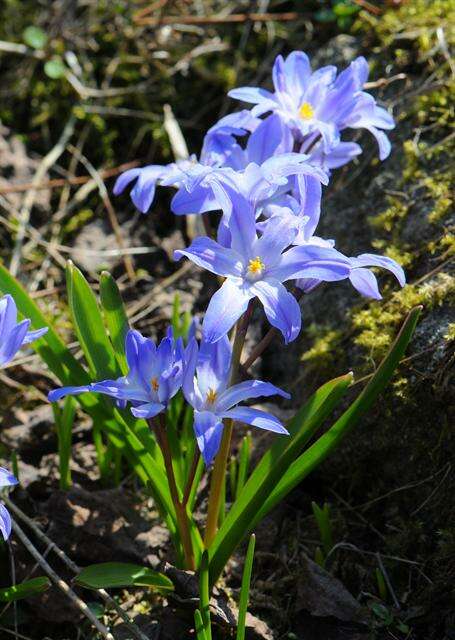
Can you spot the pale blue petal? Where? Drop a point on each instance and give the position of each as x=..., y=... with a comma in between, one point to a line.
x=6, y=478
x=254, y=95
x=199, y=200
x=12, y=342
x=210, y=255
x=5, y=522
x=31, y=336
x=239, y=214
x=225, y=308
x=264, y=141
x=280, y=306
x=373, y=260
x=256, y=418
x=56, y=394
x=311, y=261
x=298, y=71
x=148, y=410
x=246, y=390
x=213, y=365
x=209, y=430
x=365, y=282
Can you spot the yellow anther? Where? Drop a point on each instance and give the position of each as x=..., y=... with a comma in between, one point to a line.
x=154, y=384
x=211, y=396
x=306, y=111
x=256, y=266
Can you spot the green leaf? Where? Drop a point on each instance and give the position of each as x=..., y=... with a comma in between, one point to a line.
x=89, y=326
x=324, y=525
x=204, y=595
x=276, y=475
x=118, y=574
x=64, y=420
x=55, y=68
x=309, y=460
x=273, y=465
x=245, y=589
x=115, y=317
x=25, y=589
x=199, y=626
x=34, y=37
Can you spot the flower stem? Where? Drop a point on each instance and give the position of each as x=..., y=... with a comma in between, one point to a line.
x=220, y=465
x=180, y=507
x=191, y=476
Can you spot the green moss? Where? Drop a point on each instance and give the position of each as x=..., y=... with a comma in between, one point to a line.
x=378, y=323
x=325, y=347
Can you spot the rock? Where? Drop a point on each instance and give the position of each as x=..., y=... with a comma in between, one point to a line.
x=322, y=595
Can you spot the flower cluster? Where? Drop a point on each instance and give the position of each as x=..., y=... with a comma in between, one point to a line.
x=157, y=373
x=264, y=170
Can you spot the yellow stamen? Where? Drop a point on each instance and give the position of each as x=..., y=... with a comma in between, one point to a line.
x=211, y=396
x=154, y=384
x=306, y=111
x=256, y=266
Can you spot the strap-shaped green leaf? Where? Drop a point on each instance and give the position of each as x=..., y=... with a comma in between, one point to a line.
x=108, y=575
x=331, y=439
x=243, y=517
x=245, y=589
x=89, y=326
x=275, y=461
x=25, y=589
x=115, y=317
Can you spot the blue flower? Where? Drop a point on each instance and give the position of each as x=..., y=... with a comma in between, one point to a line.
x=256, y=267
x=13, y=334
x=206, y=389
x=154, y=376
x=265, y=168
x=320, y=102
x=361, y=277
x=219, y=144
x=6, y=480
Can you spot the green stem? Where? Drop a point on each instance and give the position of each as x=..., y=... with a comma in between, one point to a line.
x=180, y=507
x=220, y=465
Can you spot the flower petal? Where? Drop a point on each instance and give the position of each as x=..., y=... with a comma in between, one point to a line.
x=239, y=215
x=6, y=478
x=312, y=261
x=373, y=260
x=5, y=522
x=198, y=200
x=148, y=410
x=254, y=95
x=210, y=255
x=256, y=418
x=31, y=336
x=280, y=306
x=365, y=282
x=264, y=141
x=13, y=341
x=209, y=430
x=56, y=394
x=225, y=308
x=245, y=390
